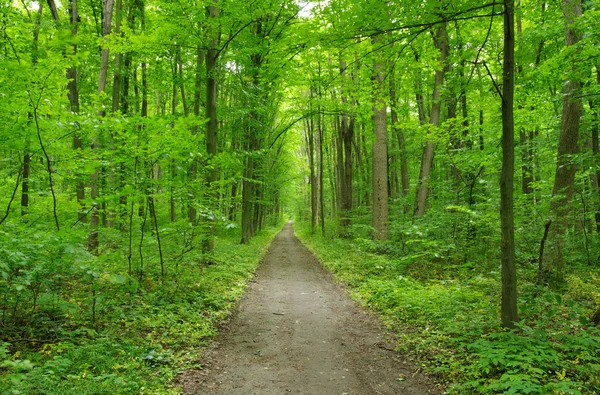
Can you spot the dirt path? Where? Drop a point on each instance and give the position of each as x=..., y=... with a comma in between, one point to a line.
x=296, y=331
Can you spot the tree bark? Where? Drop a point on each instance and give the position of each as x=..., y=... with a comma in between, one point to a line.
x=95, y=178
x=380, y=152
x=313, y=176
x=405, y=186
x=345, y=138
x=595, y=146
x=250, y=213
x=192, y=212
x=212, y=53
x=551, y=258
x=26, y=154
x=509, y=312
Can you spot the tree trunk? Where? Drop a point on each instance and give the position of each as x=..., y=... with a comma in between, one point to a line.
x=250, y=206
x=441, y=43
x=595, y=145
x=313, y=176
x=320, y=132
x=346, y=166
x=401, y=140
x=73, y=94
x=192, y=212
x=509, y=311
x=95, y=178
x=380, y=154
x=212, y=124
x=551, y=260
x=26, y=154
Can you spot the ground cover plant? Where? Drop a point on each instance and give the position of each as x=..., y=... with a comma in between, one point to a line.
x=443, y=315
x=95, y=330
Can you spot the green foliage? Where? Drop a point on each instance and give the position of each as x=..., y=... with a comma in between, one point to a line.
x=141, y=337
x=445, y=315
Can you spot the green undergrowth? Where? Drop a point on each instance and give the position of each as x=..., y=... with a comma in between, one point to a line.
x=139, y=337
x=446, y=317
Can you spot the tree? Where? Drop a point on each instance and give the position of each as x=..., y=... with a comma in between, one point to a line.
x=551, y=260
x=441, y=43
x=509, y=275
x=380, y=151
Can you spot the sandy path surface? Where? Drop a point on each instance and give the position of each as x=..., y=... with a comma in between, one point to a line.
x=296, y=331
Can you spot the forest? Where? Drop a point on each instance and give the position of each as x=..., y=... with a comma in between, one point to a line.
x=440, y=158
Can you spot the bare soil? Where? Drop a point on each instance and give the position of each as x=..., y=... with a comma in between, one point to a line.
x=296, y=331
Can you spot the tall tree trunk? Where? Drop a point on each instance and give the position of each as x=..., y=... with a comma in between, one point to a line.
x=95, y=178
x=250, y=205
x=208, y=245
x=73, y=95
x=551, y=254
x=346, y=166
x=320, y=132
x=400, y=137
x=595, y=146
x=380, y=154
x=173, y=165
x=313, y=176
x=441, y=43
x=192, y=212
x=26, y=154
x=509, y=311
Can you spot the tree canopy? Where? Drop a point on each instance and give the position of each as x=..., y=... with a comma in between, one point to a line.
x=456, y=141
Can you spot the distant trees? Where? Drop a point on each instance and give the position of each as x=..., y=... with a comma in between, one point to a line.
x=376, y=132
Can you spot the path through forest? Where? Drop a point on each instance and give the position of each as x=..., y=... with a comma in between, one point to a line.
x=296, y=331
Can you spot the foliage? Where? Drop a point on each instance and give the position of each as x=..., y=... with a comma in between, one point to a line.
x=444, y=315
x=141, y=337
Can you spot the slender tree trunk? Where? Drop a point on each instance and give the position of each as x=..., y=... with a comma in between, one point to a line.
x=95, y=178
x=551, y=256
x=380, y=154
x=212, y=124
x=441, y=43
x=26, y=154
x=192, y=212
x=595, y=145
x=25, y=182
x=401, y=140
x=173, y=165
x=346, y=138
x=320, y=132
x=342, y=128
x=313, y=176
x=251, y=206
x=509, y=311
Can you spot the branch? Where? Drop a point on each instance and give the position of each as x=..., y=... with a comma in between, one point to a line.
x=234, y=35
x=12, y=198
x=487, y=36
x=39, y=135
x=493, y=80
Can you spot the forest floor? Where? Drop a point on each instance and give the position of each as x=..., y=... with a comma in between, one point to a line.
x=297, y=331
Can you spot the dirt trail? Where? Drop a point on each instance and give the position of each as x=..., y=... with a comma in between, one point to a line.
x=296, y=331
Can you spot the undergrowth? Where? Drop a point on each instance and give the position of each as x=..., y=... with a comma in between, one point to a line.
x=445, y=314
x=135, y=339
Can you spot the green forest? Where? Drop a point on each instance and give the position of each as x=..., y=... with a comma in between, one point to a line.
x=440, y=158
